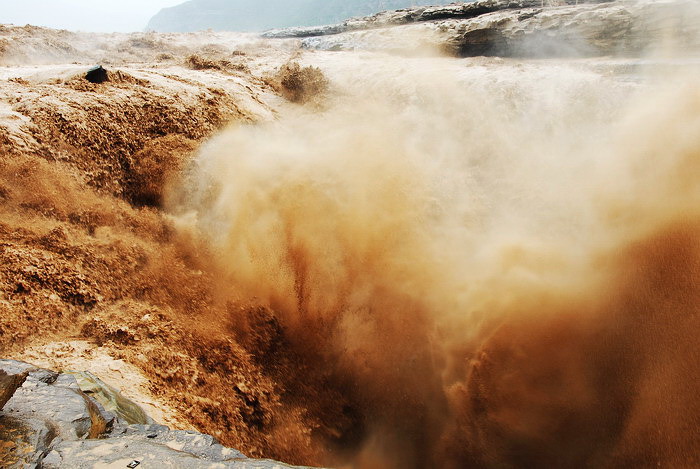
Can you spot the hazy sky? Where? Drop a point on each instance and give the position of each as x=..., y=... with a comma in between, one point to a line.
x=83, y=15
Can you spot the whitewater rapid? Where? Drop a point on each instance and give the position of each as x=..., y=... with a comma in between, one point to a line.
x=487, y=253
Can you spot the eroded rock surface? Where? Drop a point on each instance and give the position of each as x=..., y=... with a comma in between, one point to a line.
x=516, y=28
x=50, y=422
x=418, y=14
x=152, y=446
x=47, y=407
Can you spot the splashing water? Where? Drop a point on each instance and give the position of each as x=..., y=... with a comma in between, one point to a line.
x=496, y=261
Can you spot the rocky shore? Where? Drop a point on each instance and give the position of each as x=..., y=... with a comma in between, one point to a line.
x=53, y=420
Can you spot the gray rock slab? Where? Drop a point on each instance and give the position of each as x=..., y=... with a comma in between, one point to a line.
x=23, y=441
x=65, y=408
x=35, y=376
x=48, y=407
x=198, y=444
x=50, y=423
x=175, y=450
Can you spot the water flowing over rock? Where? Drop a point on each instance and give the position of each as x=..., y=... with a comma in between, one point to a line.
x=515, y=28
x=460, y=10
x=356, y=259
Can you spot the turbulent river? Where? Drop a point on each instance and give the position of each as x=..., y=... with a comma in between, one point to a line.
x=437, y=263
x=495, y=262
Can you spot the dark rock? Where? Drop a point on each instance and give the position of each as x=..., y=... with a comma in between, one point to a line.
x=517, y=28
x=97, y=75
x=24, y=440
x=419, y=14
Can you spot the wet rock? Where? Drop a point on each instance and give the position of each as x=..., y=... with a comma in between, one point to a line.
x=453, y=11
x=200, y=445
x=51, y=423
x=72, y=414
x=110, y=398
x=151, y=446
x=517, y=28
x=97, y=75
x=46, y=408
x=23, y=440
x=619, y=28
x=149, y=453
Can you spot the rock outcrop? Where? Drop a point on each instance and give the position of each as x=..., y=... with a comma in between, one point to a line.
x=50, y=422
x=418, y=14
x=516, y=28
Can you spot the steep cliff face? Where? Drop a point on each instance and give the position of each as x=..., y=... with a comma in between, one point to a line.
x=252, y=15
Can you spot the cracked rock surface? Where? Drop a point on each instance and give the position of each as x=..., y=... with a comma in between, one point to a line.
x=49, y=422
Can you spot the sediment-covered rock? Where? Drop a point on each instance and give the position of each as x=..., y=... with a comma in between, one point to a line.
x=417, y=14
x=518, y=28
x=51, y=422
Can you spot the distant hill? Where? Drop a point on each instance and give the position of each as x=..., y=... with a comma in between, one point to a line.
x=260, y=15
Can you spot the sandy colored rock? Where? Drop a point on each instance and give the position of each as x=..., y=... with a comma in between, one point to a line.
x=9, y=384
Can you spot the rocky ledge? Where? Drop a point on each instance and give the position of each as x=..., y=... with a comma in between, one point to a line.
x=419, y=14
x=516, y=28
x=59, y=420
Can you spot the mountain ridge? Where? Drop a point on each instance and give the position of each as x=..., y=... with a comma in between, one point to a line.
x=251, y=16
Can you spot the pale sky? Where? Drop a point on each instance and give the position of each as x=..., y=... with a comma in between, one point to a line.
x=83, y=15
